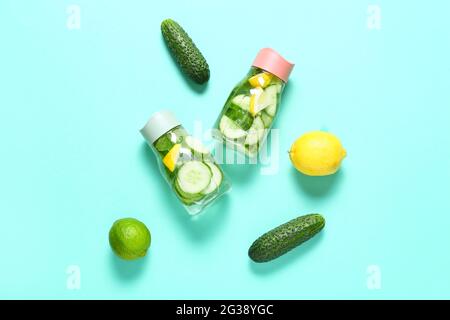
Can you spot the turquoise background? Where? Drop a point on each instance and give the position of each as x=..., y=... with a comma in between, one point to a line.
x=73, y=161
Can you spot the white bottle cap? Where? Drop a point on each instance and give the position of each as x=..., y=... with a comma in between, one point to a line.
x=158, y=124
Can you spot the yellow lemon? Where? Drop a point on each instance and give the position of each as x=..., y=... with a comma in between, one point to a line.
x=317, y=153
x=260, y=80
x=171, y=158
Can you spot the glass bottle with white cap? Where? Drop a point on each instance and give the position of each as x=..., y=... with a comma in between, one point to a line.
x=253, y=104
x=186, y=164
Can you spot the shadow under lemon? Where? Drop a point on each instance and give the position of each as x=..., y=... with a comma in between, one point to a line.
x=199, y=227
x=317, y=186
x=287, y=259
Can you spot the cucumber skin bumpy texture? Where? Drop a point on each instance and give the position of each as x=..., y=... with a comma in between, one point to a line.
x=286, y=237
x=187, y=55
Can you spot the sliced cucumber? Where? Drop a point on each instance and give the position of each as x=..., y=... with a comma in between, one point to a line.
x=279, y=87
x=272, y=98
x=266, y=119
x=216, y=179
x=242, y=101
x=187, y=198
x=196, y=145
x=242, y=118
x=178, y=134
x=193, y=177
x=256, y=132
x=164, y=144
x=251, y=150
x=271, y=110
x=252, y=138
x=230, y=129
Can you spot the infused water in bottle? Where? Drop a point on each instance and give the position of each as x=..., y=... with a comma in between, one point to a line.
x=186, y=164
x=254, y=103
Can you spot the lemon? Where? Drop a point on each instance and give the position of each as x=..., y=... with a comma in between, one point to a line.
x=129, y=238
x=260, y=80
x=317, y=153
x=171, y=158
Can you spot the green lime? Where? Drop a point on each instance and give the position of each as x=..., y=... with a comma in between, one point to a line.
x=129, y=238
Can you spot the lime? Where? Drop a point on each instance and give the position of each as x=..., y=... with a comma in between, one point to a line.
x=129, y=238
x=317, y=153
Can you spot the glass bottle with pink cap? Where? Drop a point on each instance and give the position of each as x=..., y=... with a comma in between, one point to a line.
x=253, y=104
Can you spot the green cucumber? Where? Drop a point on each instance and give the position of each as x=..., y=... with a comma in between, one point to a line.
x=168, y=140
x=279, y=87
x=187, y=201
x=256, y=132
x=251, y=150
x=186, y=197
x=272, y=98
x=193, y=177
x=196, y=145
x=177, y=135
x=230, y=129
x=242, y=101
x=241, y=117
x=185, y=52
x=286, y=237
x=163, y=144
x=266, y=119
x=216, y=179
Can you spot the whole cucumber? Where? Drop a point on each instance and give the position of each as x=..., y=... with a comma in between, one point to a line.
x=185, y=52
x=286, y=237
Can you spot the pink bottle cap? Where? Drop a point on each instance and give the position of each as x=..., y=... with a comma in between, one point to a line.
x=271, y=61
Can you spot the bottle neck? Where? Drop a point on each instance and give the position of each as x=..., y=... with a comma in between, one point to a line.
x=255, y=71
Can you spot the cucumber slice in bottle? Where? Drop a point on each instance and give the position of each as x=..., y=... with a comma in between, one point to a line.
x=242, y=101
x=272, y=98
x=230, y=129
x=256, y=132
x=186, y=197
x=279, y=87
x=266, y=119
x=216, y=179
x=164, y=144
x=177, y=135
x=196, y=145
x=187, y=201
x=193, y=177
x=251, y=150
x=242, y=118
x=271, y=110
